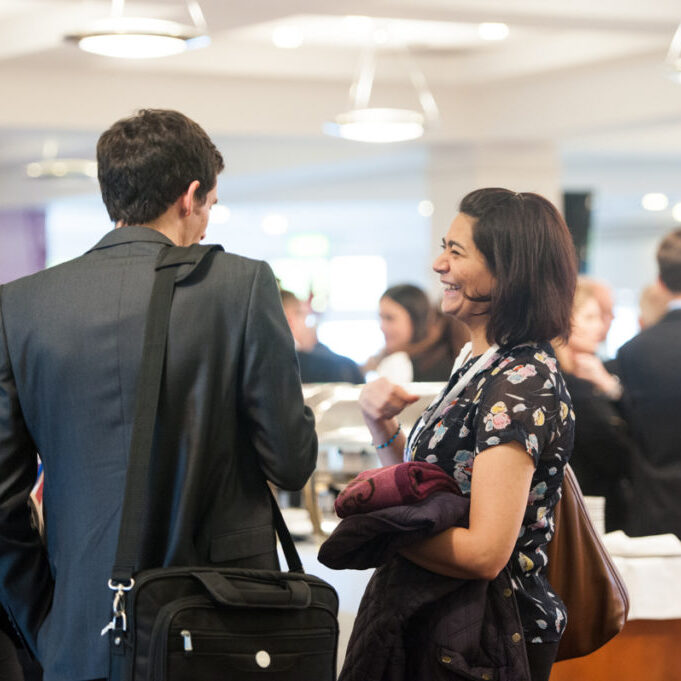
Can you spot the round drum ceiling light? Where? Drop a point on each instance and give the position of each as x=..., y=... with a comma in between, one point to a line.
x=139, y=38
x=377, y=125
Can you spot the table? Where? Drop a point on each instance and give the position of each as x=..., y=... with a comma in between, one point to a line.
x=645, y=650
x=649, y=646
x=345, y=448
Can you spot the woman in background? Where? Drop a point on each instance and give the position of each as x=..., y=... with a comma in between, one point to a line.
x=503, y=426
x=603, y=447
x=420, y=342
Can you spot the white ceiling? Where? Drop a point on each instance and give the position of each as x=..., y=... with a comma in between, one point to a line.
x=587, y=76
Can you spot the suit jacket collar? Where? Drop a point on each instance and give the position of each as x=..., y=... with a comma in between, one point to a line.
x=672, y=315
x=125, y=235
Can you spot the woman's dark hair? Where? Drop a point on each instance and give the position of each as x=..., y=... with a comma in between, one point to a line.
x=415, y=301
x=669, y=261
x=146, y=162
x=529, y=251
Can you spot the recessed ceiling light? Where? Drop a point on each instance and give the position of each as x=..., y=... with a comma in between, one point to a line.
x=676, y=212
x=655, y=201
x=426, y=208
x=287, y=37
x=493, y=31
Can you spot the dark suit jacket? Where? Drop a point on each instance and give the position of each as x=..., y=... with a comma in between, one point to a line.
x=322, y=365
x=231, y=416
x=649, y=367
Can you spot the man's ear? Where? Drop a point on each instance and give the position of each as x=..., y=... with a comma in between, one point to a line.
x=187, y=199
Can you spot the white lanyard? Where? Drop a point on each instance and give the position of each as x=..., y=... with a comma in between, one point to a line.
x=485, y=360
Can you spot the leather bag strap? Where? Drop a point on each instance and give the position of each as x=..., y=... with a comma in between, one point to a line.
x=169, y=272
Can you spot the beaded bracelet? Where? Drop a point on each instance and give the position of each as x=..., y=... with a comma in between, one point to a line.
x=392, y=439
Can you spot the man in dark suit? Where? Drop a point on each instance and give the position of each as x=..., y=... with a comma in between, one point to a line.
x=231, y=413
x=318, y=363
x=649, y=367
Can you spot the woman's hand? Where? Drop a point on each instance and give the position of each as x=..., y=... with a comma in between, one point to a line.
x=381, y=401
x=590, y=368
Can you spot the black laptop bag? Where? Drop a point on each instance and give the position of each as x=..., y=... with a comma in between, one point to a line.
x=207, y=623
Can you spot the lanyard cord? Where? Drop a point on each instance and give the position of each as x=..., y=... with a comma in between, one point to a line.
x=443, y=400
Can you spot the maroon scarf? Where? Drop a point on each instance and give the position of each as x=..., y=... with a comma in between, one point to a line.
x=402, y=483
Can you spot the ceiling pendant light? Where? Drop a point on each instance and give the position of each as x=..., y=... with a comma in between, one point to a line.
x=673, y=60
x=51, y=166
x=363, y=123
x=378, y=125
x=142, y=37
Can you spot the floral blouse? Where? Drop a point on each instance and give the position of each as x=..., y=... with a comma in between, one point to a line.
x=520, y=396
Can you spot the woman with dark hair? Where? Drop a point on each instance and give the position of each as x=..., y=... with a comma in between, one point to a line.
x=503, y=426
x=420, y=343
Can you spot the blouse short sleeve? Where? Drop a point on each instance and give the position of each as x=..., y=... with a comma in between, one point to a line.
x=520, y=401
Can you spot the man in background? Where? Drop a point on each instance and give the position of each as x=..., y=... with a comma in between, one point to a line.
x=653, y=304
x=230, y=414
x=650, y=370
x=318, y=364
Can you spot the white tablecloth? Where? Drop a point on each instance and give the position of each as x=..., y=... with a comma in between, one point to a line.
x=651, y=569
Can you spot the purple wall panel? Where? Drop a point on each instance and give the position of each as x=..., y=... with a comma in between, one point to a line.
x=22, y=243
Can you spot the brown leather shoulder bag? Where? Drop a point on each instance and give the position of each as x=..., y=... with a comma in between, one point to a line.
x=582, y=573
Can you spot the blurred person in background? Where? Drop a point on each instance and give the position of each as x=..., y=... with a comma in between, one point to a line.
x=603, y=446
x=602, y=292
x=318, y=363
x=653, y=304
x=420, y=342
x=503, y=426
x=650, y=369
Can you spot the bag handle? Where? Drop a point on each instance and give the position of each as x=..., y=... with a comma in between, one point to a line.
x=146, y=406
x=292, y=593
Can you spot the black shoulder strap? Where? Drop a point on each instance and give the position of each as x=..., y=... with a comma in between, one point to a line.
x=146, y=405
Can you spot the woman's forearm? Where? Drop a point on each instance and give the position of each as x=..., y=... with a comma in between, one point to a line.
x=500, y=485
x=382, y=431
x=455, y=553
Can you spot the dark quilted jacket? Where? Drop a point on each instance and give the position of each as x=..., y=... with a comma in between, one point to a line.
x=415, y=625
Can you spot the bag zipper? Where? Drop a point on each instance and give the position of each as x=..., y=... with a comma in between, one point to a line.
x=160, y=633
x=158, y=646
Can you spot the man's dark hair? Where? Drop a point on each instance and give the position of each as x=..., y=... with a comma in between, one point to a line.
x=145, y=163
x=529, y=250
x=669, y=261
x=415, y=301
